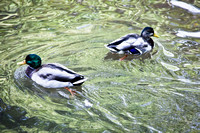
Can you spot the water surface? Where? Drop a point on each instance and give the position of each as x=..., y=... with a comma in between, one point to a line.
x=155, y=93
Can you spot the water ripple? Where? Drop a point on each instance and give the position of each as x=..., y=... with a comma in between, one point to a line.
x=186, y=6
x=158, y=92
x=188, y=34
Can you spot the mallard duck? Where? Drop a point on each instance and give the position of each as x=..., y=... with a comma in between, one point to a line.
x=133, y=43
x=51, y=75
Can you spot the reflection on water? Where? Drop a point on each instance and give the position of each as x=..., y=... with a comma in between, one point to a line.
x=188, y=34
x=158, y=92
x=186, y=6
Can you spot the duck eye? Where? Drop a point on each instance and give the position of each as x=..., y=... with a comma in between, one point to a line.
x=145, y=46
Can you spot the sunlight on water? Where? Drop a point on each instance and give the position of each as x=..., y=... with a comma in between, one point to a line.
x=170, y=67
x=188, y=34
x=186, y=6
x=158, y=92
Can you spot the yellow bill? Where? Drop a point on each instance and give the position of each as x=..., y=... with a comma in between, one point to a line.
x=21, y=63
x=155, y=35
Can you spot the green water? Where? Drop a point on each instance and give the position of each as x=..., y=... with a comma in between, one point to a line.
x=156, y=93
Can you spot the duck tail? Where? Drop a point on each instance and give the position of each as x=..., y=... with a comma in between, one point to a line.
x=112, y=48
x=80, y=81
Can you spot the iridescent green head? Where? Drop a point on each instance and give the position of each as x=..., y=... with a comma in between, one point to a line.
x=32, y=60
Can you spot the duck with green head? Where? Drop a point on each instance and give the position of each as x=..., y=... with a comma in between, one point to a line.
x=52, y=75
x=133, y=43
